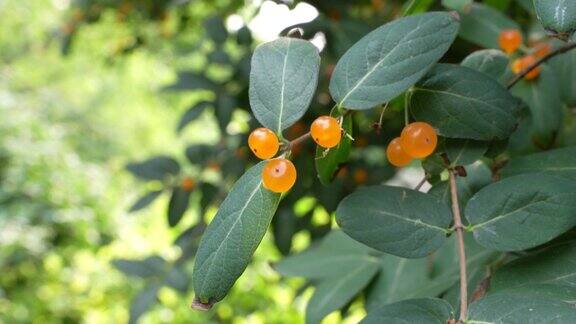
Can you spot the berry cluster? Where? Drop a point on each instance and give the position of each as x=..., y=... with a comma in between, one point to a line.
x=279, y=174
x=417, y=140
x=511, y=40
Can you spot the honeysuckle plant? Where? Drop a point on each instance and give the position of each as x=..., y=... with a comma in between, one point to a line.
x=490, y=242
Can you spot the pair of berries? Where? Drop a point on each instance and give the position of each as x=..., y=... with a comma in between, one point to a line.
x=417, y=140
x=279, y=175
x=510, y=41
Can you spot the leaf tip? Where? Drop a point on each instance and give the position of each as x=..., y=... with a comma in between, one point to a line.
x=197, y=304
x=455, y=15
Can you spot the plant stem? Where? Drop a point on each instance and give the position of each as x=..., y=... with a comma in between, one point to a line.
x=299, y=140
x=421, y=183
x=461, y=251
x=550, y=55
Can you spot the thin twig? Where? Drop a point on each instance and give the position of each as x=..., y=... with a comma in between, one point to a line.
x=527, y=70
x=461, y=251
x=299, y=140
x=421, y=183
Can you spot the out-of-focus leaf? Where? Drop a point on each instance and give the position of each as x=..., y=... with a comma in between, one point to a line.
x=225, y=105
x=564, y=66
x=190, y=80
x=177, y=205
x=143, y=301
x=145, y=200
x=492, y=62
x=460, y=5
x=214, y=27
x=390, y=59
x=464, y=151
x=155, y=168
x=150, y=267
x=482, y=25
x=200, y=153
x=192, y=114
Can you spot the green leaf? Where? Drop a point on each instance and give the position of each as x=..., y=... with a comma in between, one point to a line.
x=522, y=212
x=335, y=256
x=464, y=151
x=155, y=168
x=328, y=164
x=520, y=309
x=564, y=66
x=425, y=310
x=192, y=114
x=402, y=222
x=478, y=176
x=232, y=237
x=143, y=301
x=494, y=63
x=283, y=81
x=214, y=27
x=460, y=5
x=178, y=279
x=334, y=294
x=225, y=105
x=200, y=153
x=190, y=80
x=558, y=16
x=543, y=99
x=464, y=103
x=561, y=162
x=482, y=25
x=390, y=59
x=149, y=267
x=553, y=266
x=145, y=200
x=177, y=205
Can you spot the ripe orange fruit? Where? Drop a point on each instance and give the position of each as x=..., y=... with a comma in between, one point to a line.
x=522, y=63
x=326, y=132
x=418, y=140
x=396, y=155
x=541, y=49
x=510, y=40
x=187, y=184
x=264, y=143
x=279, y=175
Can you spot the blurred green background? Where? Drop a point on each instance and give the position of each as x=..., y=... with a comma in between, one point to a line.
x=83, y=93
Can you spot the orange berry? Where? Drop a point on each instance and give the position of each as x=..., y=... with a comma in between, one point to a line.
x=326, y=132
x=264, y=143
x=418, y=140
x=187, y=184
x=510, y=40
x=279, y=175
x=522, y=63
x=396, y=155
x=360, y=176
x=541, y=49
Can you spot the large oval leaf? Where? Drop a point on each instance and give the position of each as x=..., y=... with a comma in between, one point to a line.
x=565, y=69
x=390, y=59
x=232, y=237
x=283, y=80
x=520, y=309
x=425, y=310
x=464, y=103
x=398, y=221
x=557, y=15
x=560, y=161
x=482, y=25
x=522, y=212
